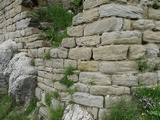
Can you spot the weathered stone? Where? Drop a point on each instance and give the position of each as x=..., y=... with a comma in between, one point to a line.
x=112, y=52
x=91, y=4
x=82, y=87
x=93, y=111
x=62, y=52
x=91, y=66
x=143, y=24
x=126, y=11
x=23, y=23
x=73, y=77
x=86, y=16
x=55, y=103
x=57, y=63
x=38, y=92
x=105, y=25
x=150, y=36
x=75, y=31
x=22, y=77
x=118, y=67
x=59, y=86
x=75, y=112
x=72, y=63
x=68, y=42
x=126, y=24
x=95, y=77
x=109, y=90
x=44, y=113
x=137, y=52
x=147, y=78
x=154, y=14
x=157, y=25
x=121, y=37
x=80, y=53
x=158, y=75
x=88, y=99
x=57, y=76
x=65, y=97
x=125, y=80
x=54, y=53
x=152, y=50
x=88, y=41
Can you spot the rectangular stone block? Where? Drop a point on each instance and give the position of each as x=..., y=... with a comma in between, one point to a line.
x=94, y=77
x=86, y=16
x=121, y=37
x=80, y=53
x=88, y=99
x=91, y=66
x=157, y=25
x=75, y=31
x=150, y=36
x=88, y=41
x=72, y=63
x=126, y=11
x=125, y=80
x=154, y=14
x=105, y=25
x=58, y=63
x=112, y=52
x=68, y=42
x=143, y=24
x=118, y=67
x=137, y=52
x=109, y=90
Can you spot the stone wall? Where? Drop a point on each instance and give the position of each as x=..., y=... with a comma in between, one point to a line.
x=107, y=43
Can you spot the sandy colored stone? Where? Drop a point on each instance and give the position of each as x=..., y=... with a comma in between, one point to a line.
x=150, y=36
x=154, y=13
x=75, y=31
x=68, y=42
x=91, y=66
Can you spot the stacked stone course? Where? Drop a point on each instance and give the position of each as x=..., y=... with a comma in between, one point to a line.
x=106, y=41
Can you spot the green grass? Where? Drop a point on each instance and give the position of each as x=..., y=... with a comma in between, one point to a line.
x=65, y=81
x=69, y=71
x=46, y=56
x=56, y=114
x=143, y=65
x=48, y=97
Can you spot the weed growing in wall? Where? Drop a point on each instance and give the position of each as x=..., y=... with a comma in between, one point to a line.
x=46, y=56
x=57, y=113
x=156, y=4
x=143, y=65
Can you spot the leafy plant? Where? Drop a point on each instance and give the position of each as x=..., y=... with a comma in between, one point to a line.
x=56, y=114
x=143, y=65
x=46, y=56
x=69, y=70
x=65, y=81
x=33, y=62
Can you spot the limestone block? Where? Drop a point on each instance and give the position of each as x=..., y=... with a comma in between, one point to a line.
x=121, y=37
x=125, y=80
x=75, y=31
x=109, y=90
x=95, y=77
x=58, y=63
x=91, y=4
x=65, y=97
x=68, y=42
x=40, y=79
x=88, y=41
x=158, y=75
x=105, y=25
x=150, y=36
x=88, y=99
x=80, y=53
x=55, y=103
x=126, y=24
x=54, y=53
x=48, y=83
x=38, y=92
x=44, y=111
x=118, y=67
x=81, y=87
x=72, y=63
x=86, y=16
x=41, y=74
x=157, y=25
x=111, y=52
x=62, y=52
x=39, y=62
x=143, y=24
x=152, y=50
x=57, y=76
x=48, y=76
x=154, y=14
x=23, y=23
x=59, y=86
x=137, y=52
x=147, y=78
x=48, y=63
x=126, y=11
x=40, y=52
x=73, y=77
x=91, y=66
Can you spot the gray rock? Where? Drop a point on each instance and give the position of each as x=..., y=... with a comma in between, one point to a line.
x=126, y=11
x=152, y=50
x=88, y=99
x=75, y=112
x=22, y=77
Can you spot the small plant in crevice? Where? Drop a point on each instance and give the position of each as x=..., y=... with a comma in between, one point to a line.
x=143, y=65
x=33, y=62
x=48, y=97
x=156, y=4
x=71, y=102
x=46, y=56
x=57, y=113
x=69, y=70
x=65, y=81
x=71, y=91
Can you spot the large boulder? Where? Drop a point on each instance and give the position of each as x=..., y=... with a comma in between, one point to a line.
x=22, y=77
x=7, y=49
x=75, y=112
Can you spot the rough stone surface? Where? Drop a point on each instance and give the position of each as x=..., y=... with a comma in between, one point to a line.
x=126, y=11
x=95, y=77
x=88, y=99
x=125, y=80
x=137, y=52
x=147, y=78
x=81, y=87
x=91, y=66
x=75, y=112
x=152, y=50
x=85, y=17
x=22, y=77
x=109, y=90
x=105, y=25
x=111, y=52
x=75, y=31
x=88, y=41
x=83, y=53
x=157, y=25
x=154, y=14
x=143, y=24
x=118, y=67
x=121, y=37
x=68, y=42
x=150, y=36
